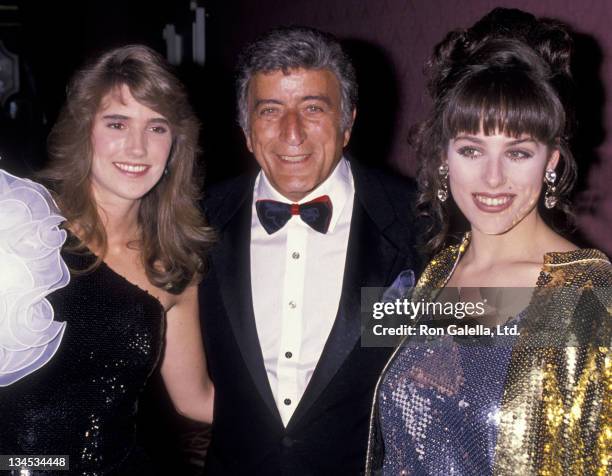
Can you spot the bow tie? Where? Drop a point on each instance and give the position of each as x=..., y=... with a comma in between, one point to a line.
x=274, y=215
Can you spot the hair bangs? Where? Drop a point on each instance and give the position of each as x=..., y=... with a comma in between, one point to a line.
x=157, y=90
x=507, y=102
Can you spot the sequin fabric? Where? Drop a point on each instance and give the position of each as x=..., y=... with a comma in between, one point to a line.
x=439, y=407
x=83, y=404
x=540, y=405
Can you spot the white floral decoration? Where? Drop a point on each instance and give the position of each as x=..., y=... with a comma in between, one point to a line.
x=31, y=267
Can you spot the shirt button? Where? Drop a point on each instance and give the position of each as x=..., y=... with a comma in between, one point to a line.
x=292, y=304
x=295, y=255
x=287, y=441
x=287, y=401
x=288, y=355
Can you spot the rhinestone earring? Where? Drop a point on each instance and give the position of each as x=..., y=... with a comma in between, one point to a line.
x=443, y=190
x=550, y=198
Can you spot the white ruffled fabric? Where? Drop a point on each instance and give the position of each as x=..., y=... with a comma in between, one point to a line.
x=31, y=267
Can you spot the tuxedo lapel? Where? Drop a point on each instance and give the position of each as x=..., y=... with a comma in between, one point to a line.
x=371, y=261
x=232, y=262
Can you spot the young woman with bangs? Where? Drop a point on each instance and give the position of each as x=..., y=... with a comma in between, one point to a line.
x=524, y=387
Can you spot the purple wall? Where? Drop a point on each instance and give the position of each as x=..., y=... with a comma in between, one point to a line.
x=402, y=33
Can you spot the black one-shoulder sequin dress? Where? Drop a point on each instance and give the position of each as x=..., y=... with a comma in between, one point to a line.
x=83, y=402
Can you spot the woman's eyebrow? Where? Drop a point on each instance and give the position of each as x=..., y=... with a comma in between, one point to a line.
x=522, y=141
x=470, y=138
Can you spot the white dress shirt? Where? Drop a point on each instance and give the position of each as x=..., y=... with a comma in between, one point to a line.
x=296, y=282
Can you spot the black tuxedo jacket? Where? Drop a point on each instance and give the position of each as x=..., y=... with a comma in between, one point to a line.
x=327, y=434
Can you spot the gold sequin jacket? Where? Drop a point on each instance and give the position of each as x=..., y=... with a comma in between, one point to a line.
x=556, y=411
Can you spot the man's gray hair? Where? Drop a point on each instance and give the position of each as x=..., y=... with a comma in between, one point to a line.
x=295, y=47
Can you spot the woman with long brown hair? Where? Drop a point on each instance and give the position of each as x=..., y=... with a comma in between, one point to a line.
x=122, y=172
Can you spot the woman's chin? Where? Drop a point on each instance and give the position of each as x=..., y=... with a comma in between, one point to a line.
x=493, y=229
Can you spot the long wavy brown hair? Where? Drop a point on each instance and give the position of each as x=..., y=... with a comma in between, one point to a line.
x=174, y=237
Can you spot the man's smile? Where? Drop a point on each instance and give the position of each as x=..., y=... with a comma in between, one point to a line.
x=294, y=158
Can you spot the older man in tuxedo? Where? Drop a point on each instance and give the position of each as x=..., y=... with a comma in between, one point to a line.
x=281, y=303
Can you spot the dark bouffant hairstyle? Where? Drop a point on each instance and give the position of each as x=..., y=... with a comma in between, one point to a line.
x=509, y=72
x=174, y=236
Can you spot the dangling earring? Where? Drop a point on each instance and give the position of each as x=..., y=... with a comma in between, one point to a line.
x=443, y=190
x=550, y=199
x=166, y=171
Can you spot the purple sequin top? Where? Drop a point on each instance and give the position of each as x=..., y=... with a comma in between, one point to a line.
x=439, y=405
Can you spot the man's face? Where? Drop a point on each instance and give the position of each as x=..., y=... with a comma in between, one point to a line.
x=295, y=128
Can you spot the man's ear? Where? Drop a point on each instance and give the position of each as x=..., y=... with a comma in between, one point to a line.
x=247, y=137
x=347, y=131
